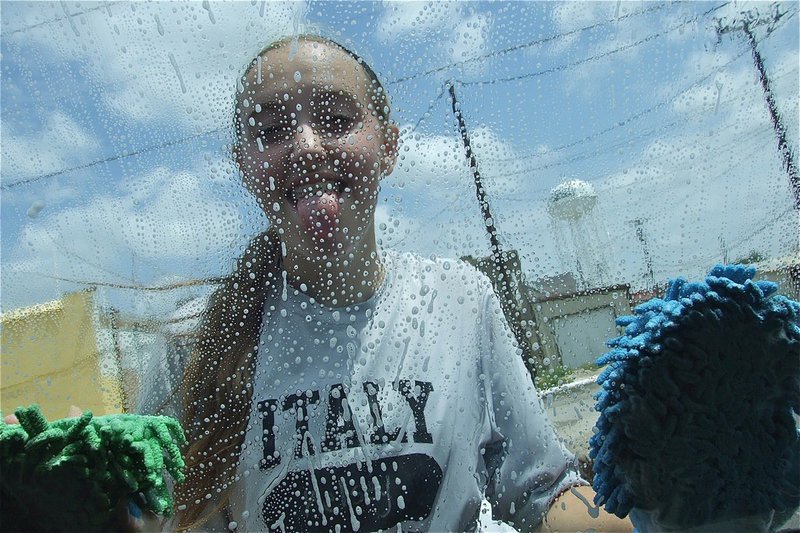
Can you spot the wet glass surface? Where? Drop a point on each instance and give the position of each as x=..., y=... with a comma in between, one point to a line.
x=282, y=247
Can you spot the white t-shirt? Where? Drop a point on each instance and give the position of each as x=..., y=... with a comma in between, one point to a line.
x=401, y=410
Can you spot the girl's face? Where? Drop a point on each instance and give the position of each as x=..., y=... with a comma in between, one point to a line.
x=312, y=147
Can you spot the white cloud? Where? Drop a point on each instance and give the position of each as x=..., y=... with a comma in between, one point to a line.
x=427, y=165
x=430, y=200
x=60, y=143
x=435, y=166
x=407, y=19
x=708, y=189
x=679, y=182
x=470, y=39
x=622, y=43
x=173, y=225
x=569, y=16
x=458, y=33
x=148, y=58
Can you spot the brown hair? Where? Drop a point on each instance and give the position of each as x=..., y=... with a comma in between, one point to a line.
x=217, y=389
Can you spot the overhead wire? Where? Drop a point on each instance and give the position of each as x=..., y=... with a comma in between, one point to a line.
x=115, y=157
x=133, y=286
x=593, y=58
x=626, y=141
x=81, y=258
x=631, y=118
x=623, y=142
x=733, y=164
x=589, y=153
x=158, y=146
x=496, y=80
x=622, y=123
x=400, y=80
x=528, y=44
x=739, y=240
x=68, y=16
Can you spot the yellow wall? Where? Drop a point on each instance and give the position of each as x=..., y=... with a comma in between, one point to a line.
x=50, y=357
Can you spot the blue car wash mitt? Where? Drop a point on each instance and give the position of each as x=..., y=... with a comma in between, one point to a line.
x=70, y=474
x=697, y=406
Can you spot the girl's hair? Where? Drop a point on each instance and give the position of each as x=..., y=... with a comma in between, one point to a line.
x=217, y=387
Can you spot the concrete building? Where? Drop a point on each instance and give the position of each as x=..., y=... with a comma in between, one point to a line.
x=573, y=328
x=565, y=326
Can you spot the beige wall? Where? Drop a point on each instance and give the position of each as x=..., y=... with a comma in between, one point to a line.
x=49, y=356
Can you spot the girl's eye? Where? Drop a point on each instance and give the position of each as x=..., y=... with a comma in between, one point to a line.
x=271, y=131
x=337, y=123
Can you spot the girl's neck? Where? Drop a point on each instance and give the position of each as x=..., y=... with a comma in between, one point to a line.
x=336, y=281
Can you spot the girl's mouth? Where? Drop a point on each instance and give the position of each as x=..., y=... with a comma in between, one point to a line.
x=318, y=206
x=308, y=190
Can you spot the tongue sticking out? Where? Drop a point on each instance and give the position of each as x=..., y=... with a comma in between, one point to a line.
x=320, y=213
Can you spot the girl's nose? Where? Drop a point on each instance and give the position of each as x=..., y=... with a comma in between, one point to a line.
x=308, y=145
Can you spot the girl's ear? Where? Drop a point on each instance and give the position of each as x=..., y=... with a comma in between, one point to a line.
x=390, y=145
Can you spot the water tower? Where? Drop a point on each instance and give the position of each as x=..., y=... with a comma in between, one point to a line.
x=581, y=239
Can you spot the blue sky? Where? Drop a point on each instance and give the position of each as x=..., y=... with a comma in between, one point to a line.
x=667, y=122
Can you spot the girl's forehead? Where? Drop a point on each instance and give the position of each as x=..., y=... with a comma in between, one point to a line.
x=312, y=65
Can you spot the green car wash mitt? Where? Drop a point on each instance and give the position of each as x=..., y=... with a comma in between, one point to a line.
x=70, y=474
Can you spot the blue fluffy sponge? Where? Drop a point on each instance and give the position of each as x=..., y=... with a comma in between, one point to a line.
x=696, y=408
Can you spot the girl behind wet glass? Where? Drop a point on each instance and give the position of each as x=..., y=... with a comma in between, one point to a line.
x=313, y=140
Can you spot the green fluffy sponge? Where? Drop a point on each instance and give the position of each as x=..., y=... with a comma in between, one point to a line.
x=70, y=474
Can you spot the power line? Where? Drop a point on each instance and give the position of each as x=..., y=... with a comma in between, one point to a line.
x=515, y=195
x=739, y=239
x=122, y=155
x=481, y=57
x=401, y=239
x=156, y=288
x=525, y=45
x=155, y=147
x=590, y=153
x=81, y=258
x=218, y=280
x=586, y=155
x=459, y=198
x=630, y=118
x=159, y=146
x=593, y=58
x=392, y=82
x=68, y=16
x=766, y=225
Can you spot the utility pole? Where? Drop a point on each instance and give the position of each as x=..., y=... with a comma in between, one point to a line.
x=503, y=277
x=113, y=319
x=724, y=248
x=638, y=224
x=745, y=24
